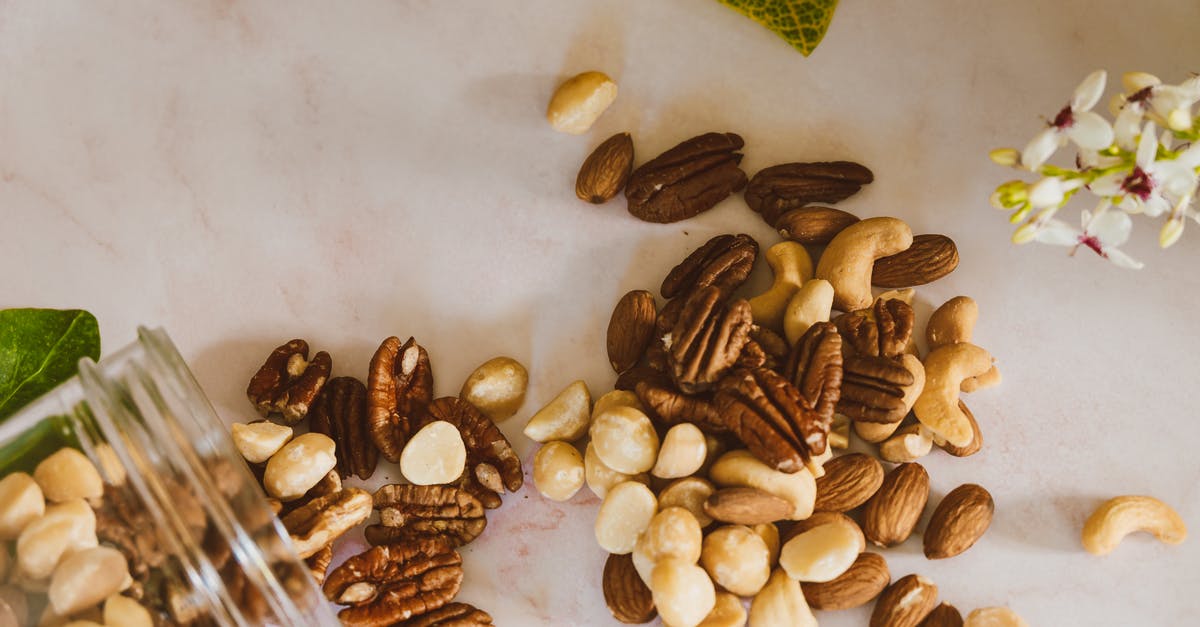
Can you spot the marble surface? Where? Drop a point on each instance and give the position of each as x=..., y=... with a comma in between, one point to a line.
x=244, y=172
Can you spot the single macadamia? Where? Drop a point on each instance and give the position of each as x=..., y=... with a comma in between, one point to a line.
x=781, y=602
x=434, y=455
x=558, y=471
x=770, y=535
x=624, y=515
x=68, y=474
x=566, y=417
x=86, y=578
x=126, y=612
x=728, y=612
x=682, y=592
x=579, y=101
x=822, y=553
x=298, y=466
x=258, y=441
x=21, y=502
x=600, y=478
x=65, y=528
x=742, y=468
x=625, y=440
x=737, y=559
x=672, y=532
x=682, y=452
x=689, y=493
x=617, y=398
x=497, y=387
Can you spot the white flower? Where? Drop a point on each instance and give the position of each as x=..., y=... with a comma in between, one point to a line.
x=1102, y=233
x=1051, y=191
x=1146, y=96
x=1152, y=186
x=1075, y=122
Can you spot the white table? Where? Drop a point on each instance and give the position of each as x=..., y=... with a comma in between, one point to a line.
x=245, y=172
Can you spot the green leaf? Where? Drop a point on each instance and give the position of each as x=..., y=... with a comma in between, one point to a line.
x=40, y=348
x=801, y=23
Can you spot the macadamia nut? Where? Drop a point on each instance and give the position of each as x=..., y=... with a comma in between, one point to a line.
x=558, y=471
x=600, y=478
x=823, y=552
x=86, y=578
x=781, y=602
x=497, y=387
x=682, y=453
x=617, y=398
x=125, y=612
x=579, y=101
x=566, y=417
x=258, y=441
x=737, y=559
x=65, y=528
x=21, y=502
x=673, y=533
x=728, y=612
x=682, y=591
x=625, y=440
x=434, y=455
x=690, y=493
x=624, y=515
x=298, y=466
x=68, y=474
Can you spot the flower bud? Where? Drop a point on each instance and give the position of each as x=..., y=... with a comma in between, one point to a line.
x=1005, y=156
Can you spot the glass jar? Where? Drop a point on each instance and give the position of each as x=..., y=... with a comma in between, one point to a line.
x=202, y=545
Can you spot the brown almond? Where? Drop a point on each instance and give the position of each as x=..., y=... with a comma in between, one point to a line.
x=746, y=506
x=905, y=603
x=813, y=225
x=630, y=329
x=605, y=171
x=959, y=521
x=628, y=598
x=861, y=583
x=816, y=520
x=976, y=439
x=944, y=615
x=930, y=258
x=848, y=482
x=889, y=517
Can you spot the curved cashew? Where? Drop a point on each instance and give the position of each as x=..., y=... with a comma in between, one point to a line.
x=810, y=304
x=849, y=258
x=952, y=323
x=908, y=445
x=791, y=266
x=1122, y=515
x=937, y=407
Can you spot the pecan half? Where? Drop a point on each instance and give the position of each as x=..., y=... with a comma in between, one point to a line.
x=452, y=615
x=707, y=340
x=764, y=349
x=287, y=383
x=723, y=262
x=395, y=582
x=873, y=389
x=318, y=563
x=670, y=407
x=340, y=412
x=778, y=188
x=815, y=368
x=492, y=465
x=325, y=519
x=412, y=511
x=399, y=387
x=883, y=330
x=688, y=179
x=769, y=416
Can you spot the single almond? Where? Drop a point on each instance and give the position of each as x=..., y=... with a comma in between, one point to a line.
x=905, y=603
x=627, y=596
x=890, y=516
x=976, y=439
x=944, y=615
x=930, y=258
x=604, y=173
x=630, y=329
x=746, y=506
x=959, y=521
x=813, y=225
x=848, y=482
x=861, y=583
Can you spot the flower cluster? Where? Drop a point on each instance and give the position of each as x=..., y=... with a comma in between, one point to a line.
x=1131, y=165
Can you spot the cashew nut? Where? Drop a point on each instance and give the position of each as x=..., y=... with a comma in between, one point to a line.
x=1122, y=515
x=994, y=617
x=810, y=304
x=792, y=266
x=908, y=445
x=579, y=101
x=848, y=260
x=781, y=602
x=742, y=468
x=953, y=323
x=937, y=407
x=566, y=417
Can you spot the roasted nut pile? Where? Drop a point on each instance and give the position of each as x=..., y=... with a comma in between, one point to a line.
x=714, y=455
x=456, y=461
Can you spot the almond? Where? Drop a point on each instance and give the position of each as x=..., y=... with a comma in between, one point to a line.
x=890, y=515
x=746, y=506
x=813, y=225
x=905, y=603
x=863, y=581
x=605, y=171
x=848, y=482
x=930, y=258
x=976, y=439
x=628, y=598
x=944, y=615
x=959, y=521
x=630, y=329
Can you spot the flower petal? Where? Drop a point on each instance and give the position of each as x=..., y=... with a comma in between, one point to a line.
x=1109, y=184
x=1047, y=192
x=1147, y=146
x=1111, y=228
x=1090, y=131
x=1127, y=123
x=1134, y=82
x=1039, y=149
x=1155, y=206
x=1089, y=91
x=1121, y=260
x=1057, y=233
